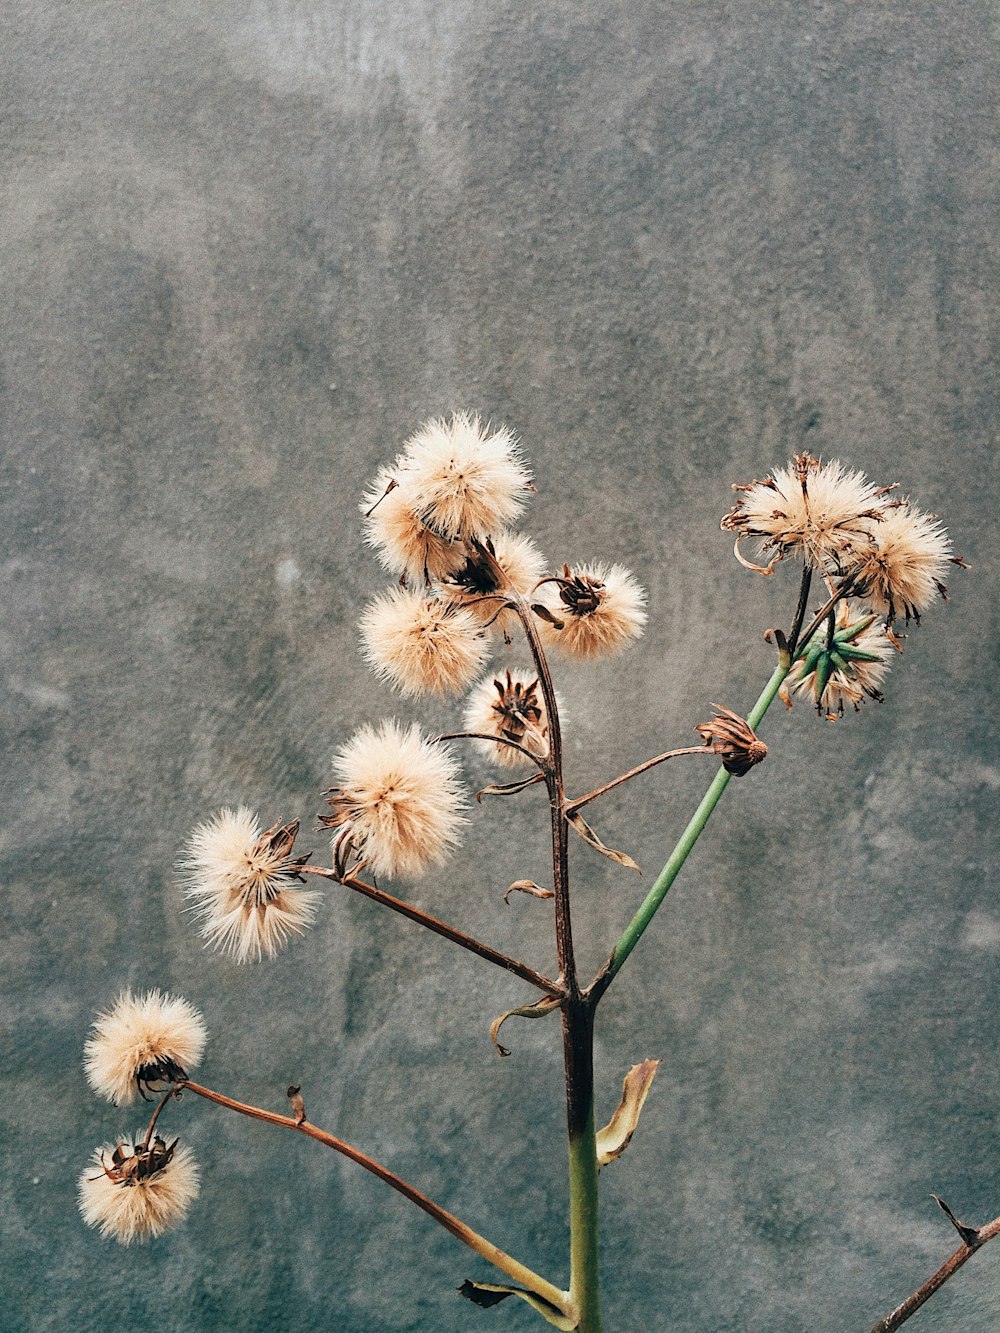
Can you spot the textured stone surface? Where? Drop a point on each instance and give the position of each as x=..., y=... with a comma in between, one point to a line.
x=246, y=248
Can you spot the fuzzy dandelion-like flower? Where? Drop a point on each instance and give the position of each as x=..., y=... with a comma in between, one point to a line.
x=842, y=671
x=242, y=885
x=599, y=610
x=478, y=588
x=819, y=511
x=142, y=1040
x=404, y=542
x=422, y=643
x=134, y=1190
x=898, y=571
x=463, y=478
x=397, y=801
x=511, y=708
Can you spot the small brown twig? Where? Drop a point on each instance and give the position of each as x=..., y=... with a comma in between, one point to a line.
x=156, y=1115
x=456, y=936
x=497, y=740
x=947, y=1270
x=572, y=806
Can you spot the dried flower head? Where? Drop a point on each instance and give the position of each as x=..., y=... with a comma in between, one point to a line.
x=397, y=801
x=510, y=706
x=422, y=643
x=134, y=1190
x=462, y=478
x=404, y=543
x=599, y=610
x=242, y=885
x=846, y=669
x=142, y=1040
x=898, y=571
x=819, y=511
x=478, y=588
x=733, y=739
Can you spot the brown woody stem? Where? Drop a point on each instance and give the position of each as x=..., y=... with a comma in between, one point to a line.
x=497, y=1257
x=496, y=740
x=156, y=1115
x=456, y=936
x=947, y=1270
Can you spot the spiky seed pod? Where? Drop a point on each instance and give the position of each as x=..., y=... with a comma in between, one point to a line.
x=478, y=590
x=733, y=739
x=403, y=542
x=510, y=706
x=898, y=571
x=462, y=478
x=845, y=671
x=398, y=799
x=242, y=885
x=818, y=511
x=596, y=610
x=135, y=1192
x=422, y=643
x=142, y=1040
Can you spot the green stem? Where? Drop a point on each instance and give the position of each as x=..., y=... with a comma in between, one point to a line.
x=636, y=927
x=584, y=1256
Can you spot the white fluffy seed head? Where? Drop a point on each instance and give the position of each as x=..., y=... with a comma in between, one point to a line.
x=398, y=798
x=509, y=706
x=404, y=543
x=141, y=1040
x=422, y=643
x=137, y=1209
x=477, y=590
x=899, y=570
x=818, y=511
x=600, y=609
x=463, y=478
x=242, y=887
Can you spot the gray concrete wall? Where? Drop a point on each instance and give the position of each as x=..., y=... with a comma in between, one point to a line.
x=246, y=248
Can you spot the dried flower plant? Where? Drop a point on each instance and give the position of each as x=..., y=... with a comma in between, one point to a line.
x=440, y=517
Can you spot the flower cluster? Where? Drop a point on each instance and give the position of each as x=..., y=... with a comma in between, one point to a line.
x=139, y=1187
x=883, y=550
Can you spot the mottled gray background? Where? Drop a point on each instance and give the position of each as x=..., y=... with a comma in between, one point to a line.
x=246, y=248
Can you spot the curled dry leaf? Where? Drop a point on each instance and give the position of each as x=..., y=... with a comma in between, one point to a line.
x=579, y=825
x=536, y=1010
x=530, y=887
x=616, y=1135
x=487, y=1294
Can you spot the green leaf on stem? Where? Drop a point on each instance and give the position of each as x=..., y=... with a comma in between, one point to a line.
x=487, y=1294
x=536, y=1010
x=580, y=826
x=616, y=1135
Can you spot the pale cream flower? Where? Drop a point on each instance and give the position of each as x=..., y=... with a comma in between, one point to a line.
x=598, y=610
x=241, y=883
x=509, y=706
x=462, y=478
x=422, y=643
x=898, y=571
x=142, y=1040
x=852, y=670
x=819, y=511
x=477, y=589
x=133, y=1192
x=402, y=540
x=397, y=800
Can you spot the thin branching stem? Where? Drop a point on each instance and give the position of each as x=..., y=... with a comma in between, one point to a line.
x=800, y=610
x=496, y=740
x=156, y=1115
x=580, y=802
x=486, y=1249
x=442, y=928
x=937, y=1280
